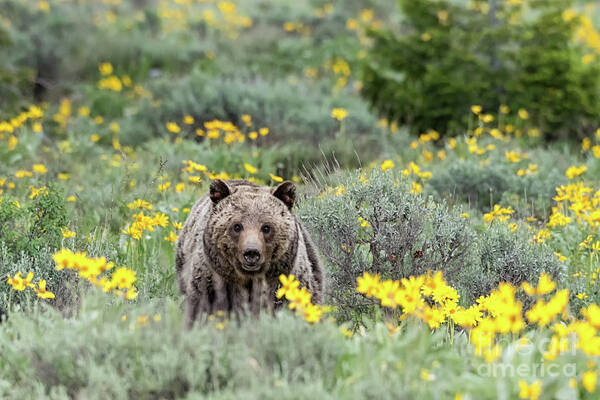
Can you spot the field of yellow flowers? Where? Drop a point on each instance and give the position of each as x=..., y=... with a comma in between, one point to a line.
x=460, y=267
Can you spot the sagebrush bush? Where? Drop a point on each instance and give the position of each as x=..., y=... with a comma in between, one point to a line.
x=481, y=185
x=468, y=181
x=451, y=55
x=297, y=111
x=371, y=222
x=505, y=256
x=65, y=285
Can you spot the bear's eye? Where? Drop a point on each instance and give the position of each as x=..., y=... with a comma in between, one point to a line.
x=265, y=229
x=237, y=228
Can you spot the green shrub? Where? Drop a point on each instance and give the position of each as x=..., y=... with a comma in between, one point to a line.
x=289, y=111
x=43, y=267
x=451, y=55
x=468, y=181
x=482, y=185
x=505, y=256
x=404, y=234
x=29, y=235
x=93, y=357
x=35, y=225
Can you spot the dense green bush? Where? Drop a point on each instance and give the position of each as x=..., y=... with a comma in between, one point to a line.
x=29, y=234
x=505, y=256
x=450, y=55
x=36, y=225
x=402, y=235
x=373, y=223
x=43, y=267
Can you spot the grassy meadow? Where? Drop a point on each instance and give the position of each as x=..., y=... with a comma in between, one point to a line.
x=456, y=209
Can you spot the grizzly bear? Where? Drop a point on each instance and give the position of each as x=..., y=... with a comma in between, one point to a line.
x=236, y=242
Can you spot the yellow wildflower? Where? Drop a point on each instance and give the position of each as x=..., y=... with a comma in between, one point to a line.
x=574, y=171
x=105, y=68
x=66, y=233
x=512, y=156
x=288, y=284
x=36, y=192
x=123, y=278
x=592, y=315
x=42, y=292
x=139, y=203
x=523, y=114
x=173, y=127
x=247, y=119
x=172, y=237
x=368, y=284
x=339, y=113
x=160, y=219
x=276, y=178
x=589, y=380
x=39, y=168
x=387, y=164
x=531, y=392
x=250, y=168
x=545, y=286
x=164, y=186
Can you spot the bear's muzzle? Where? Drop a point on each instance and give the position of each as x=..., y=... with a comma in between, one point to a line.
x=252, y=257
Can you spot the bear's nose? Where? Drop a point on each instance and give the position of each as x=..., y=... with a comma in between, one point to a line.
x=251, y=256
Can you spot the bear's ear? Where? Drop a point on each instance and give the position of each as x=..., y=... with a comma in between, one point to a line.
x=218, y=190
x=286, y=192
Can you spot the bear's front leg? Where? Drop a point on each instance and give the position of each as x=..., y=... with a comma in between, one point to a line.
x=192, y=307
x=197, y=299
x=259, y=296
x=221, y=296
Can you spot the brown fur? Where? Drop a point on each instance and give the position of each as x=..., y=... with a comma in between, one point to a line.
x=227, y=260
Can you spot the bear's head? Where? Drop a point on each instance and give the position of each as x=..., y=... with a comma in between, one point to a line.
x=251, y=229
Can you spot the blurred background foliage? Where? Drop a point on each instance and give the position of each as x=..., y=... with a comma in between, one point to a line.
x=419, y=63
x=447, y=55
